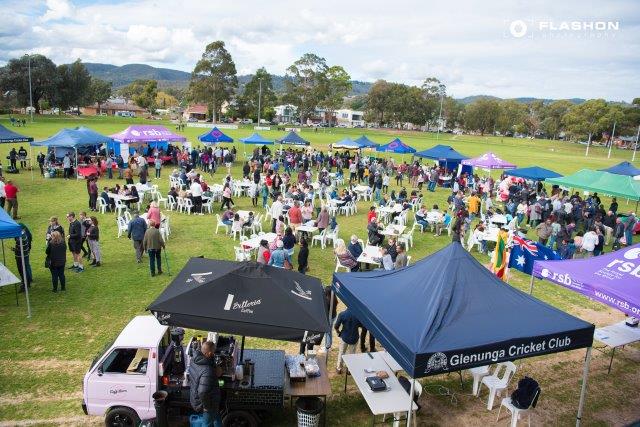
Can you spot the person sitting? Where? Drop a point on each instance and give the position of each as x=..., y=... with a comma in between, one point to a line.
x=391, y=248
x=264, y=253
x=421, y=217
x=279, y=255
x=355, y=247
x=154, y=213
x=227, y=217
x=373, y=230
x=385, y=260
x=401, y=257
x=289, y=241
x=248, y=224
x=345, y=257
x=105, y=197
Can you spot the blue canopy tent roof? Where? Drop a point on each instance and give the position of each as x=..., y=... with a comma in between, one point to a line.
x=396, y=146
x=366, y=142
x=623, y=168
x=443, y=153
x=347, y=144
x=73, y=138
x=214, y=136
x=7, y=135
x=10, y=229
x=534, y=173
x=256, y=138
x=448, y=312
x=292, y=138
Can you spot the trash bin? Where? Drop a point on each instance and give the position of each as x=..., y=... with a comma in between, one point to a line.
x=160, y=404
x=309, y=410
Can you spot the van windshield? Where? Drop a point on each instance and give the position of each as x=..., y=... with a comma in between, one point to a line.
x=101, y=352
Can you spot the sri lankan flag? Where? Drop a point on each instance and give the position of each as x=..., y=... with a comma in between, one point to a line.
x=500, y=255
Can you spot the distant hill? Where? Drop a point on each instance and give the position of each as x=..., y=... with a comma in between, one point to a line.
x=166, y=77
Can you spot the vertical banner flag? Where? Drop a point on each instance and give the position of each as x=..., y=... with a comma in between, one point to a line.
x=500, y=255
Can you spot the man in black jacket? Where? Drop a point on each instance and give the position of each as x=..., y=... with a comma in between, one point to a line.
x=205, y=391
x=75, y=242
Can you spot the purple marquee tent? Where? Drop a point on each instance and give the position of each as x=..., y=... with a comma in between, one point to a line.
x=612, y=279
x=489, y=161
x=147, y=133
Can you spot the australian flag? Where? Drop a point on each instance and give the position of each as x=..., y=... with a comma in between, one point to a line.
x=525, y=252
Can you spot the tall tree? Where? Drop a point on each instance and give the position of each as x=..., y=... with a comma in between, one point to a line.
x=587, y=119
x=378, y=100
x=164, y=100
x=99, y=92
x=512, y=116
x=304, y=84
x=482, y=115
x=147, y=98
x=552, y=116
x=337, y=85
x=248, y=101
x=214, y=78
x=434, y=91
x=43, y=79
x=80, y=83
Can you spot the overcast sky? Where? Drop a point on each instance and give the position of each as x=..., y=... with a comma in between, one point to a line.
x=469, y=45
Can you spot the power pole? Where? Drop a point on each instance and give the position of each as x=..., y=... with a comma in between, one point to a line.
x=30, y=91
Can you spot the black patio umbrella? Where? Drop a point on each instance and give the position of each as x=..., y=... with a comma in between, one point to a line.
x=244, y=298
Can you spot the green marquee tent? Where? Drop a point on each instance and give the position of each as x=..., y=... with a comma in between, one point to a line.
x=604, y=182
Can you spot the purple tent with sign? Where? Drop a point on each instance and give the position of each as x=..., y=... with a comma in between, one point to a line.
x=147, y=133
x=489, y=161
x=612, y=279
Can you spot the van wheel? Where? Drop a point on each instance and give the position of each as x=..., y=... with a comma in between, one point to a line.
x=121, y=417
x=239, y=419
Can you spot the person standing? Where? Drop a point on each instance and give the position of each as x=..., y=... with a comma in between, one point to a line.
x=136, y=231
x=628, y=228
x=93, y=237
x=276, y=210
x=3, y=195
x=54, y=225
x=347, y=328
x=66, y=165
x=11, y=198
x=303, y=256
x=93, y=194
x=13, y=156
x=204, y=394
x=226, y=197
x=75, y=242
x=109, y=165
x=196, y=195
x=40, y=159
x=22, y=153
x=120, y=164
x=56, y=252
x=157, y=164
x=153, y=244
x=25, y=239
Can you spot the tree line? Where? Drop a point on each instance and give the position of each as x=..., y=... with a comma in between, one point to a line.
x=312, y=83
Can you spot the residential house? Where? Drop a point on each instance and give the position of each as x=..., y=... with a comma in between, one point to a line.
x=349, y=118
x=196, y=111
x=111, y=107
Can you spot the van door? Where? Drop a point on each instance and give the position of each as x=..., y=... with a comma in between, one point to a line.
x=123, y=378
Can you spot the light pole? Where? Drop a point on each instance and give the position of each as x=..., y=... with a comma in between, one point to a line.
x=440, y=113
x=613, y=133
x=30, y=92
x=259, y=98
x=635, y=147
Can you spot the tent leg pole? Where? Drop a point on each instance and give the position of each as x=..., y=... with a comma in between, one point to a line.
x=583, y=390
x=328, y=348
x=242, y=350
x=25, y=280
x=31, y=161
x=531, y=284
x=413, y=385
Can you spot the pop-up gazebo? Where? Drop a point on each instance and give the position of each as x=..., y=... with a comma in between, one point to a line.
x=534, y=173
x=447, y=312
x=256, y=138
x=214, y=136
x=292, y=138
x=346, y=144
x=396, y=146
x=365, y=142
x=137, y=136
x=7, y=135
x=623, y=168
x=489, y=161
x=443, y=154
x=9, y=229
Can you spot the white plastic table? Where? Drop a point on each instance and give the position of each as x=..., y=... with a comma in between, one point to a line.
x=369, y=254
x=361, y=189
x=255, y=242
x=617, y=335
x=394, y=399
x=391, y=362
x=393, y=230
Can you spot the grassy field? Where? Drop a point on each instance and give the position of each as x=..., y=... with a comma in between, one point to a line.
x=42, y=360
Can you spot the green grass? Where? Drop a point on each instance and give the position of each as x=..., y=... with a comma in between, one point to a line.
x=43, y=360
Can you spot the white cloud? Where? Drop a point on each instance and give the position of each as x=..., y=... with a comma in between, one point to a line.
x=467, y=46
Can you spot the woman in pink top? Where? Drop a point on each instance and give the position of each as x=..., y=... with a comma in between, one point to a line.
x=154, y=213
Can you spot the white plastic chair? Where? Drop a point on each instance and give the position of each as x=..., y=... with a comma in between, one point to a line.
x=102, y=205
x=408, y=260
x=160, y=199
x=122, y=226
x=478, y=373
x=496, y=383
x=257, y=223
x=208, y=205
x=171, y=203
x=127, y=216
x=339, y=266
x=332, y=235
x=407, y=239
x=516, y=413
x=221, y=224
x=241, y=255
x=120, y=207
x=397, y=416
x=321, y=237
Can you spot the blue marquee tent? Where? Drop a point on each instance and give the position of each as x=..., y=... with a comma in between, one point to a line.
x=366, y=142
x=256, y=138
x=396, y=146
x=442, y=153
x=73, y=138
x=347, y=144
x=534, y=173
x=9, y=229
x=7, y=135
x=448, y=312
x=292, y=138
x=623, y=168
x=214, y=136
